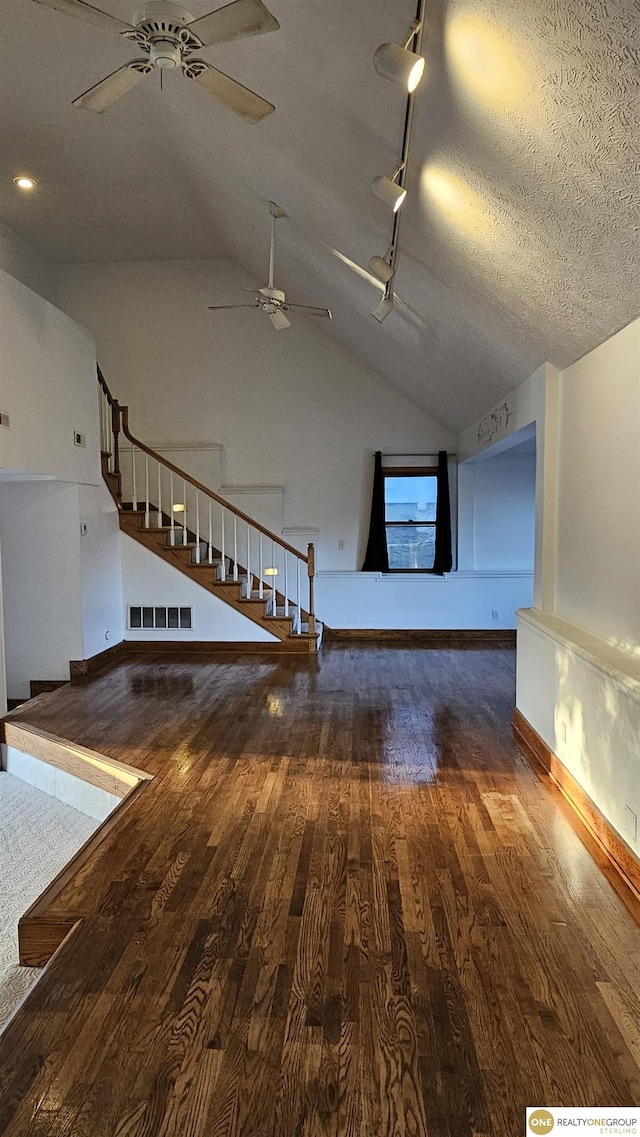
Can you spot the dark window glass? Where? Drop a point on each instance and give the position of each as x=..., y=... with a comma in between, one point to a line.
x=135, y=617
x=161, y=617
x=147, y=617
x=172, y=618
x=185, y=617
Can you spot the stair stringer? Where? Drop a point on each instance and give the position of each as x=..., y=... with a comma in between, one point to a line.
x=229, y=592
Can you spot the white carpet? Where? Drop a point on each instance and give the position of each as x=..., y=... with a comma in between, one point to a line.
x=38, y=835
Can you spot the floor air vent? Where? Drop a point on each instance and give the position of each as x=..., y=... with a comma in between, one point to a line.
x=160, y=618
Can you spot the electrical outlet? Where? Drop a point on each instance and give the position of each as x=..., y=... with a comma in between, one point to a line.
x=630, y=825
x=107, y=635
x=79, y=438
x=563, y=731
x=495, y=615
x=83, y=528
x=341, y=544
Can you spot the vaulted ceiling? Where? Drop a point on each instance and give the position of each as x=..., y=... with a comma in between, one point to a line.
x=519, y=236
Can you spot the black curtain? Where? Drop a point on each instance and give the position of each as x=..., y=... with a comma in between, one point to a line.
x=377, y=557
x=443, y=559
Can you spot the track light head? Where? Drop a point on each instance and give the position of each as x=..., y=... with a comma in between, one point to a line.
x=385, y=307
x=399, y=65
x=386, y=190
x=381, y=269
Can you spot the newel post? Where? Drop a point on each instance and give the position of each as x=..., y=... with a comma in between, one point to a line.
x=311, y=569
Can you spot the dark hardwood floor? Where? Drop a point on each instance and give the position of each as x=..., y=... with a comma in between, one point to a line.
x=345, y=906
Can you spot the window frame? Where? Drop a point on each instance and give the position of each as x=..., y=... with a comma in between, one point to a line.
x=408, y=472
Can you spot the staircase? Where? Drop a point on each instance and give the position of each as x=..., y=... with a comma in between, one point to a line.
x=202, y=535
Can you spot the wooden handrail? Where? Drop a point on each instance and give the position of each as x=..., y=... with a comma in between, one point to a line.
x=124, y=414
x=103, y=383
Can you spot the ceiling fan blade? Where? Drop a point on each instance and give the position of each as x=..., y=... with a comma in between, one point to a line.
x=234, y=21
x=238, y=98
x=279, y=320
x=88, y=13
x=229, y=307
x=109, y=90
x=324, y=313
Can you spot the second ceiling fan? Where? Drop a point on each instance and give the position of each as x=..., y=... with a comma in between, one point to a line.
x=168, y=36
x=269, y=299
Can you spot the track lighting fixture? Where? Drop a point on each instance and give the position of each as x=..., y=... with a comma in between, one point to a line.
x=385, y=307
x=388, y=191
x=395, y=62
x=381, y=267
x=399, y=64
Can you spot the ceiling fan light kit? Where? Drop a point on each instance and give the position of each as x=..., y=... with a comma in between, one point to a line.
x=404, y=67
x=168, y=36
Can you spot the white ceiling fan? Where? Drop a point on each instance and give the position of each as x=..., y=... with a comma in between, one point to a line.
x=168, y=36
x=269, y=299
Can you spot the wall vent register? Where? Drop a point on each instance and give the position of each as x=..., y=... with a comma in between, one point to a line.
x=4, y=419
x=180, y=619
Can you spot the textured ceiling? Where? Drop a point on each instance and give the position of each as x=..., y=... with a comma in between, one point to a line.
x=520, y=235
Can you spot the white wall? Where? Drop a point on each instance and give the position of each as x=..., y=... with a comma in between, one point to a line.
x=100, y=569
x=41, y=582
x=598, y=550
x=534, y=404
x=47, y=386
x=459, y=600
x=497, y=511
x=147, y=579
x=291, y=408
x=579, y=663
x=26, y=264
x=583, y=699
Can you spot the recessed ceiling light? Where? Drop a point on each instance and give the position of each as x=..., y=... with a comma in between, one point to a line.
x=24, y=182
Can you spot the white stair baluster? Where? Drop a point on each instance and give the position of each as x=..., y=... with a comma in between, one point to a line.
x=298, y=606
x=210, y=558
x=159, y=495
x=146, y=491
x=274, y=581
x=197, y=527
x=249, y=578
x=184, y=513
x=260, y=570
x=223, y=567
x=235, y=547
x=133, y=471
x=172, y=521
x=286, y=584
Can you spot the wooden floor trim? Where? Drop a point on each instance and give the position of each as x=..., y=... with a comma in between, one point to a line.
x=39, y=936
x=618, y=853
x=296, y=645
x=427, y=637
x=97, y=770
x=80, y=669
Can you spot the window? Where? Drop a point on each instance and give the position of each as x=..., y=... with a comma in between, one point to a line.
x=410, y=499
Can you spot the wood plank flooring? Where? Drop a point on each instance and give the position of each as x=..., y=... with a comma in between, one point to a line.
x=345, y=907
